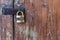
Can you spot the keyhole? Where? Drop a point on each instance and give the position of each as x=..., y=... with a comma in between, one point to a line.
x=19, y=13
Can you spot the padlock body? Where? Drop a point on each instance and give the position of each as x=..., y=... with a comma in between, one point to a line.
x=20, y=18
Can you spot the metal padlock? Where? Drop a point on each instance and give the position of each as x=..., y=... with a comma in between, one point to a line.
x=20, y=17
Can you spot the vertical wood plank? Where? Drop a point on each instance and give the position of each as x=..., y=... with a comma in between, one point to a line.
x=20, y=29
x=36, y=4
x=7, y=33
x=57, y=10
x=0, y=21
x=0, y=25
x=34, y=9
x=44, y=18
x=51, y=29
x=6, y=29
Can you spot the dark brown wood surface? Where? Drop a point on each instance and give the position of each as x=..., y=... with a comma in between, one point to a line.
x=42, y=21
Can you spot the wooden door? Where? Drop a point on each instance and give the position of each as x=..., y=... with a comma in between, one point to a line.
x=42, y=20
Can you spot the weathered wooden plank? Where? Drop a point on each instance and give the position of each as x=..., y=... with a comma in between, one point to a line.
x=30, y=16
x=35, y=23
x=57, y=10
x=28, y=6
x=51, y=29
x=7, y=29
x=36, y=5
x=44, y=18
x=0, y=21
x=0, y=25
x=20, y=29
x=41, y=22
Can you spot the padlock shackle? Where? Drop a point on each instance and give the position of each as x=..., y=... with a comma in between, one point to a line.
x=18, y=12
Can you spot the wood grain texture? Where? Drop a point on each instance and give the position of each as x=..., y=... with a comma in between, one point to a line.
x=42, y=21
x=7, y=29
x=6, y=23
x=57, y=10
x=20, y=29
x=51, y=29
x=0, y=26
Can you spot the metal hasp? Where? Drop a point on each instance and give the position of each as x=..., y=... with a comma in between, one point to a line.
x=18, y=12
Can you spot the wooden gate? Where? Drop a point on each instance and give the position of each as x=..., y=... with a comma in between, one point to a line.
x=42, y=20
